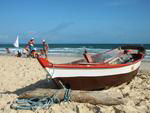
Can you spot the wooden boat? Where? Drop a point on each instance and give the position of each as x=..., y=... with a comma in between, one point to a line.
x=94, y=72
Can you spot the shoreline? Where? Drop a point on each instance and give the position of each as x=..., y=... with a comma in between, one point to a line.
x=145, y=66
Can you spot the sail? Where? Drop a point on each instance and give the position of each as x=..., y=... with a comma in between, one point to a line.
x=16, y=43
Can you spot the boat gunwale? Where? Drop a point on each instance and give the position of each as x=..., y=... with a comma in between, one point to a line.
x=47, y=64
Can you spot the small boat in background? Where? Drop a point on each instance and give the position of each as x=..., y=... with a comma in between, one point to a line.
x=98, y=71
x=16, y=43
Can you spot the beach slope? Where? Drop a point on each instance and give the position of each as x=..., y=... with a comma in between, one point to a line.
x=18, y=75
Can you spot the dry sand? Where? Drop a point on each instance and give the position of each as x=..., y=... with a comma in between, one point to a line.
x=18, y=75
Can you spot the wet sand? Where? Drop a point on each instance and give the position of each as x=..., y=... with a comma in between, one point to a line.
x=18, y=75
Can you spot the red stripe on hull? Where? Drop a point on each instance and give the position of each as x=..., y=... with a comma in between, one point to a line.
x=46, y=64
x=95, y=83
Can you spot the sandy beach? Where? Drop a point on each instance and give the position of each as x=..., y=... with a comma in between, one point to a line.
x=18, y=75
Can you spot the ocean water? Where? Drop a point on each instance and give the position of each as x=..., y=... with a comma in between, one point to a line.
x=74, y=49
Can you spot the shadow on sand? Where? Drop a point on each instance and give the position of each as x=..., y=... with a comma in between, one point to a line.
x=40, y=84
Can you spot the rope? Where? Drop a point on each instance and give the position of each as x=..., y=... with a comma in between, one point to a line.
x=40, y=103
x=67, y=96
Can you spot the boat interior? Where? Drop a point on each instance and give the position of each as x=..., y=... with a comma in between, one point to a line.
x=122, y=57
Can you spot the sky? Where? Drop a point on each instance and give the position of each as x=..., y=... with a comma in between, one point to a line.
x=75, y=21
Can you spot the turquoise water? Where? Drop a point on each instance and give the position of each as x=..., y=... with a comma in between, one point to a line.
x=102, y=46
x=74, y=49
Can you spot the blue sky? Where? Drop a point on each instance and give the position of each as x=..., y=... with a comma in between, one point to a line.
x=75, y=21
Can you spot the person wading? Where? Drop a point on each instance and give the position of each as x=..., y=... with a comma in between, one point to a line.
x=45, y=48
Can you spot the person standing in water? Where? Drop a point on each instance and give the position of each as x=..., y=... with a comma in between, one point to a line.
x=45, y=48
